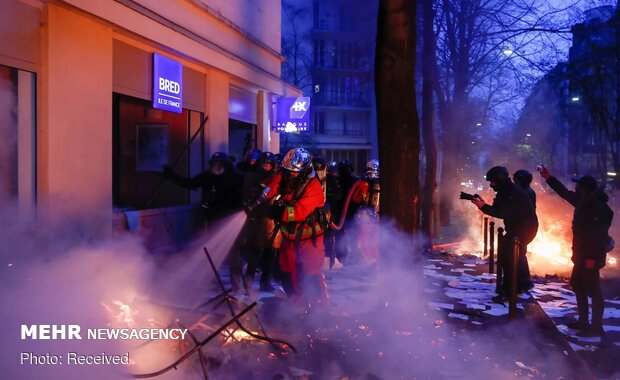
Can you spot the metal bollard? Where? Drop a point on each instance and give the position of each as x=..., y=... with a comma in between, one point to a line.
x=500, y=269
x=492, y=246
x=512, y=307
x=486, y=237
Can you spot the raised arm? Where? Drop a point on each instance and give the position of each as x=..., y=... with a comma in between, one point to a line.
x=188, y=183
x=557, y=186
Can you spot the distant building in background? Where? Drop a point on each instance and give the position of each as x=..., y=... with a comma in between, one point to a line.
x=571, y=120
x=593, y=76
x=540, y=134
x=329, y=48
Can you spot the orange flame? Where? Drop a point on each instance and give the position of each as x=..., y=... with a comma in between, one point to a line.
x=125, y=315
x=236, y=335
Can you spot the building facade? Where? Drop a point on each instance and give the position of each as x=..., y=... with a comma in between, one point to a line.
x=593, y=75
x=81, y=131
x=339, y=65
x=570, y=120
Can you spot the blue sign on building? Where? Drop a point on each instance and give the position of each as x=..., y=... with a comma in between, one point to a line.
x=167, y=84
x=292, y=114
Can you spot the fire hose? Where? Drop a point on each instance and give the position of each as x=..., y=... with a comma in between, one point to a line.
x=343, y=215
x=252, y=204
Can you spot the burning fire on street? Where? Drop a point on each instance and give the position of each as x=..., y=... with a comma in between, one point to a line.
x=125, y=314
x=149, y=358
x=232, y=336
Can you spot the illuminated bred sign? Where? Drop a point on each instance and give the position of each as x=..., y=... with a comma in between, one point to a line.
x=292, y=114
x=167, y=84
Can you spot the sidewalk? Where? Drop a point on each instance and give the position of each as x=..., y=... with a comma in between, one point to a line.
x=558, y=302
x=551, y=303
x=463, y=289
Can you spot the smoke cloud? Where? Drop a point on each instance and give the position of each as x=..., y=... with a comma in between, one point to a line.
x=64, y=270
x=379, y=325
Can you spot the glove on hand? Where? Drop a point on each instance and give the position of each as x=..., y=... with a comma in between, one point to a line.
x=277, y=211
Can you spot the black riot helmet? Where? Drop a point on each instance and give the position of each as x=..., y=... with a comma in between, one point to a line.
x=333, y=168
x=220, y=157
x=254, y=155
x=319, y=163
x=320, y=167
x=268, y=158
x=345, y=168
x=522, y=177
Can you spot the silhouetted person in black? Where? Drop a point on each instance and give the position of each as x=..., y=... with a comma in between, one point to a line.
x=591, y=221
x=221, y=186
x=221, y=196
x=345, y=238
x=333, y=196
x=524, y=178
x=513, y=205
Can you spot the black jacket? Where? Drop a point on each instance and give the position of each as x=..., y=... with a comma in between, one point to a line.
x=345, y=184
x=531, y=194
x=513, y=205
x=591, y=221
x=221, y=194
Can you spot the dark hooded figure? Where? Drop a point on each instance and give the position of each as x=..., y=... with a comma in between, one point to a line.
x=221, y=196
x=346, y=236
x=591, y=221
x=220, y=186
x=524, y=178
x=513, y=206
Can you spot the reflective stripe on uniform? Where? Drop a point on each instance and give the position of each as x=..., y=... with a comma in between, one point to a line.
x=290, y=214
x=306, y=233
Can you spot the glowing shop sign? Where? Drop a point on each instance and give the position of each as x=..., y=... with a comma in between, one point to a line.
x=292, y=114
x=167, y=84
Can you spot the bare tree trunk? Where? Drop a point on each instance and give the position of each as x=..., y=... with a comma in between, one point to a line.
x=398, y=132
x=428, y=125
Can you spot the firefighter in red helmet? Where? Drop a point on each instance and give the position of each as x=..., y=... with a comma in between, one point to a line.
x=297, y=202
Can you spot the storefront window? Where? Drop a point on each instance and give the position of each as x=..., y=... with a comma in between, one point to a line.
x=17, y=138
x=8, y=133
x=145, y=139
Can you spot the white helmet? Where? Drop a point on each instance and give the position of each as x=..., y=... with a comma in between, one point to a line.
x=372, y=169
x=297, y=160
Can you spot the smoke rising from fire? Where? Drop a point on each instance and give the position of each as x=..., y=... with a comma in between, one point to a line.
x=67, y=271
x=64, y=273
x=53, y=274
